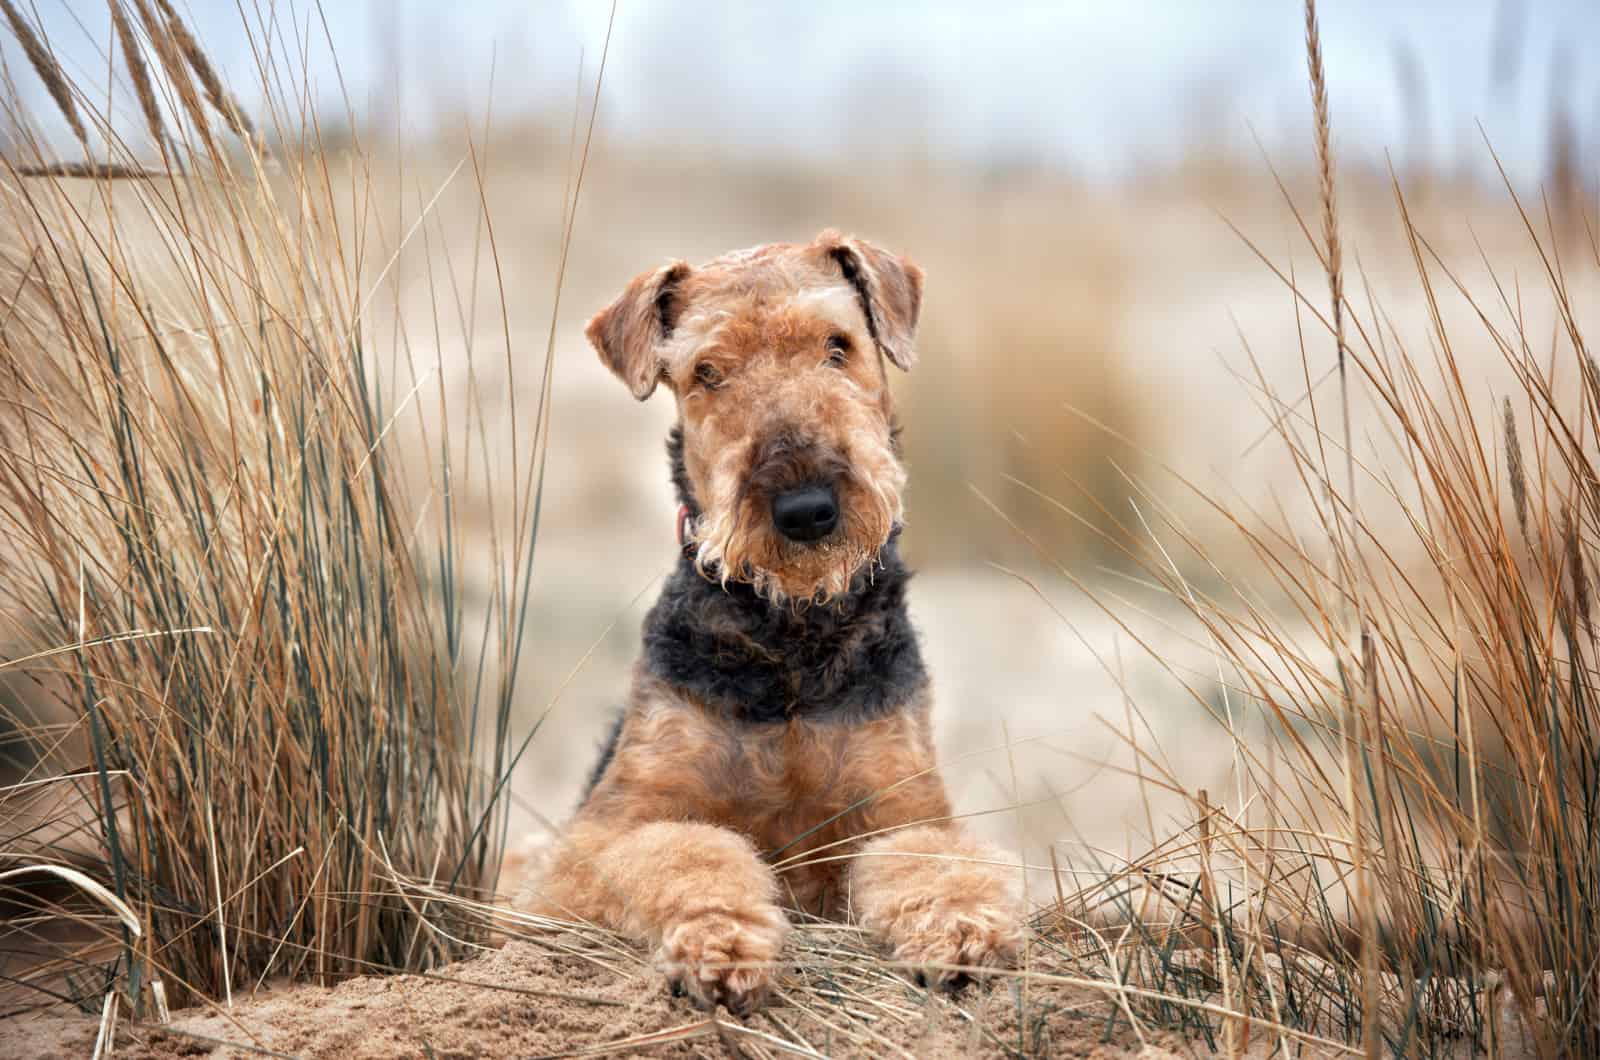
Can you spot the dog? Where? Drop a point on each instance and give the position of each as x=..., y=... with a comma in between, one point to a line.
x=775, y=751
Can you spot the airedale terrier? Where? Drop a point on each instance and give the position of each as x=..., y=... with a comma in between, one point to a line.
x=776, y=748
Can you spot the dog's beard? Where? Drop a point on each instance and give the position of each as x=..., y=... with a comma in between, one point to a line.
x=736, y=541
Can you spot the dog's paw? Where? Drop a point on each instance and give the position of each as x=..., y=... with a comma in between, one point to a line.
x=522, y=866
x=946, y=904
x=724, y=957
x=950, y=941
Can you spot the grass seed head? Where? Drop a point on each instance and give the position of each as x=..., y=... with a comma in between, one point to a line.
x=1514, y=469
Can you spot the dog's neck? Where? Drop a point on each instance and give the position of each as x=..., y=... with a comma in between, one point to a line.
x=680, y=472
x=736, y=652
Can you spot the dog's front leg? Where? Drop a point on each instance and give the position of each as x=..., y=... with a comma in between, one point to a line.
x=947, y=904
x=698, y=893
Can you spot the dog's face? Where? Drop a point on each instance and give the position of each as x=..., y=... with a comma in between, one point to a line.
x=776, y=356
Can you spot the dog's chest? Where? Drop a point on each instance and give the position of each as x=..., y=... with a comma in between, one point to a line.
x=793, y=773
x=804, y=794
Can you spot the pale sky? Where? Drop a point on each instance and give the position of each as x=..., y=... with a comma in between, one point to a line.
x=1098, y=87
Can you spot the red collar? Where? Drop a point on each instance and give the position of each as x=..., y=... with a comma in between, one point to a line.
x=685, y=525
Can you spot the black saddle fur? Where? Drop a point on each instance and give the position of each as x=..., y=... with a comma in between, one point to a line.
x=846, y=661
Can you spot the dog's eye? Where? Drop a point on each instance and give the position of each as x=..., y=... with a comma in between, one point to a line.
x=838, y=349
x=708, y=375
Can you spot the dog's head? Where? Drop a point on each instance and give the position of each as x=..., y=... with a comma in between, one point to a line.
x=776, y=356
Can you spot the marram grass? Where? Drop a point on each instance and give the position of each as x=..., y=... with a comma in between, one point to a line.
x=240, y=690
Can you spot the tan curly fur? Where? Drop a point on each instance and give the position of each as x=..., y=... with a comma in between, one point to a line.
x=742, y=343
x=937, y=898
x=704, y=820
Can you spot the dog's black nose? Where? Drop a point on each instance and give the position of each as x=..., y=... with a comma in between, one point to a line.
x=808, y=513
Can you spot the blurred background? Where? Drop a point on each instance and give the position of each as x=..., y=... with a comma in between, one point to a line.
x=1091, y=189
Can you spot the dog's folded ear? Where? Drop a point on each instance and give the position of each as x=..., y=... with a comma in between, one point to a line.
x=629, y=332
x=890, y=289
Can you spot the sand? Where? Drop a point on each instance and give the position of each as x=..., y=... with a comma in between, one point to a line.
x=520, y=1001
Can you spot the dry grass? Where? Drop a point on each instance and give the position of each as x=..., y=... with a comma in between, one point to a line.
x=1411, y=853
x=242, y=687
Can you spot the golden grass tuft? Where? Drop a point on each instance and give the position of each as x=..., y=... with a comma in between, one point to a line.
x=1418, y=802
x=1409, y=854
x=239, y=689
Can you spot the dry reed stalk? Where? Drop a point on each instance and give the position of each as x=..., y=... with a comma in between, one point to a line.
x=217, y=94
x=106, y=1035
x=45, y=66
x=174, y=66
x=1333, y=261
x=1208, y=895
x=1348, y=553
x=138, y=72
x=89, y=171
x=1514, y=470
x=1214, y=959
x=1577, y=570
